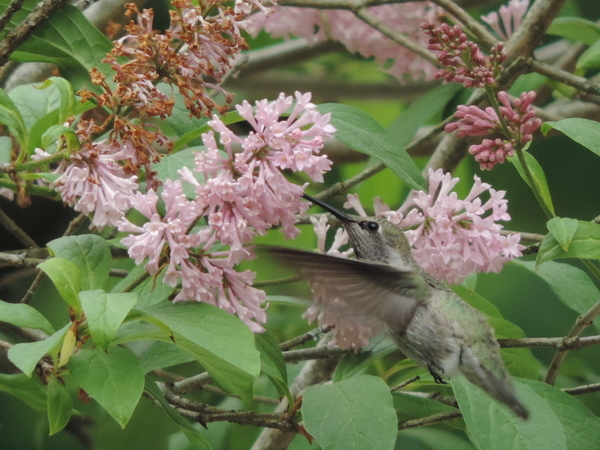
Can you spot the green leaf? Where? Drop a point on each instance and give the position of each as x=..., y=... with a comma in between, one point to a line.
x=187, y=428
x=71, y=42
x=477, y=301
x=585, y=244
x=90, y=253
x=30, y=390
x=105, y=313
x=66, y=278
x=221, y=342
x=273, y=364
x=26, y=355
x=24, y=316
x=57, y=131
x=11, y=117
x=539, y=178
x=558, y=421
x=356, y=413
x=563, y=230
x=162, y=355
x=352, y=363
x=580, y=426
x=583, y=131
x=217, y=331
x=114, y=379
x=67, y=97
x=520, y=362
x=226, y=375
x=150, y=291
x=361, y=132
x=492, y=425
x=590, y=58
x=572, y=286
x=168, y=167
x=60, y=406
x=575, y=28
x=419, y=112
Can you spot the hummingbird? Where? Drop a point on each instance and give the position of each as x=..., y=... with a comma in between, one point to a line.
x=385, y=287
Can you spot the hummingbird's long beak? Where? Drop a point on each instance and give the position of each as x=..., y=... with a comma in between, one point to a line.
x=337, y=213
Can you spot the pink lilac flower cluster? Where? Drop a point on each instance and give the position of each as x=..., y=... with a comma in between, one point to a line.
x=317, y=25
x=206, y=275
x=243, y=194
x=511, y=16
x=517, y=123
x=452, y=238
x=92, y=181
x=462, y=59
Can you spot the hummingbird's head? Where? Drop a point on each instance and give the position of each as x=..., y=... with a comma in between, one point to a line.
x=374, y=238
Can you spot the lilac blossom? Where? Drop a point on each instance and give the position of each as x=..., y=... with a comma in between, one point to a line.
x=452, y=238
x=188, y=257
x=94, y=182
x=245, y=193
x=511, y=16
x=317, y=25
x=518, y=123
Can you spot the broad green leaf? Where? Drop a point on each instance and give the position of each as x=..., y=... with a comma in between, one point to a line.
x=60, y=406
x=71, y=42
x=590, y=58
x=477, y=301
x=539, y=178
x=11, y=117
x=558, y=420
x=150, y=291
x=105, y=313
x=273, y=364
x=35, y=103
x=493, y=425
x=563, y=230
x=575, y=28
x=26, y=355
x=356, y=413
x=419, y=112
x=361, y=132
x=584, y=244
x=162, y=355
x=584, y=131
x=187, y=428
x=24, y=316
x=6, y=145
x=67, y=97
x=217, y=331
x=25, y=388
x=580, y=426
x=572, y=286
x=114, y=379
x=225, y=374
x=353, y=363
x=90, y=253
x=66, y=277
x=57, y=131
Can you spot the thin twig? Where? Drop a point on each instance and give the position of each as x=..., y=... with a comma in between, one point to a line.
x=311, y=335
x=468, y=22
x=429, y=420
x=10, y=10
x=582, y=322
x=16, y=231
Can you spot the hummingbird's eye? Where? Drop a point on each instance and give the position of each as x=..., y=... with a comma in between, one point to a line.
x=372, y=226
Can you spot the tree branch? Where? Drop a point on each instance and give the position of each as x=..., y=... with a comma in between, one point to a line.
x=43, y=11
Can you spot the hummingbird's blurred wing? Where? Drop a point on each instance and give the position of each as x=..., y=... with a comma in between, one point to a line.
x=365, y=292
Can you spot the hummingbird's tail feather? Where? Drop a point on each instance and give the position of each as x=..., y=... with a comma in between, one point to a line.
x=500, y=389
